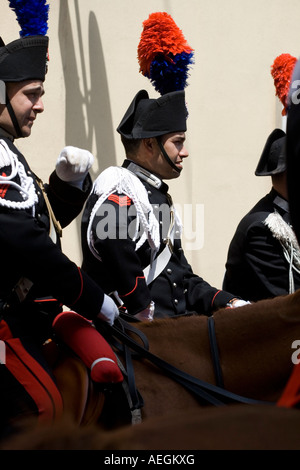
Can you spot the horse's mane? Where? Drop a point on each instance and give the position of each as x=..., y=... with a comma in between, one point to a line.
x=284, y=309
x=171, y=323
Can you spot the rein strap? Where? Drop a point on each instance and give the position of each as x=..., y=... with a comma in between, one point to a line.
x=204, y=390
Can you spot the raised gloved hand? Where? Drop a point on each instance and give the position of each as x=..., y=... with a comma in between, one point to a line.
x=109, y=311
x=73, y=165
x=146, y=314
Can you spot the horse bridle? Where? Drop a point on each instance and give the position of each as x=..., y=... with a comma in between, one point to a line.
x=214, y=350
x=215, y=395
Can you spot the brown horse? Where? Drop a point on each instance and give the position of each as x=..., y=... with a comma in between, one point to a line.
x=255, y=349
x=233, y=427
x=255, y=344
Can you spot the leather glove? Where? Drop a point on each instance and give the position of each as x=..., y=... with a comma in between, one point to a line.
x=109, y=311
x=73, y=165
x=146, y=314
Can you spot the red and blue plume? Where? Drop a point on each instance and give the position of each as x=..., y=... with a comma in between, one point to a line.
x=163, y=53
x=32, y=16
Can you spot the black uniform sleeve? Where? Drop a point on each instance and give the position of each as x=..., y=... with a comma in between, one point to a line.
x=201, y=297
x=256, y=267
x=264, y=255
x=30, y=252
x=66, y=200
x=26, y=248
x=117, y=249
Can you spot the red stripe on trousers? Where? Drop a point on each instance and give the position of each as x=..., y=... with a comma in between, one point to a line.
x=36, y=381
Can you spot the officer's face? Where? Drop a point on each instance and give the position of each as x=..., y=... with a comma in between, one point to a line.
x=174, y=145
x=26, y=100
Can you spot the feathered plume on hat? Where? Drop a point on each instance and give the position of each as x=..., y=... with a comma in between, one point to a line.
x=163, y=53
x=26, y=58
x=281, y=71
x=32, y=16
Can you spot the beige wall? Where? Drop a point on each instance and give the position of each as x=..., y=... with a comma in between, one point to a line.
x=93, y=75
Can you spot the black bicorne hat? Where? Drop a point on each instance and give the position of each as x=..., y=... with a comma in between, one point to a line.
x=148, y=117
x=24, y=59
x=273, y=157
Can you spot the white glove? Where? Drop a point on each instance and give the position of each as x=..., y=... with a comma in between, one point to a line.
x=73, y=165
x=146, y=314
x=109, y=311
x=239, y=303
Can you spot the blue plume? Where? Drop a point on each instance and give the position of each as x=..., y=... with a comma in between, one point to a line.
x=32, y=16
x=170, y=73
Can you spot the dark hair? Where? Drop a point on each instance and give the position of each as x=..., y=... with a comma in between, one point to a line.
x=131, y=145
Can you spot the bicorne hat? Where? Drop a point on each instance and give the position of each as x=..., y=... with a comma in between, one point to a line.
x=273, y=157
x=24, y=59
x=148, y=117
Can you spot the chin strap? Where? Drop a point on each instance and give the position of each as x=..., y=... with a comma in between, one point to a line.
x=166, y=155
x=13, y=117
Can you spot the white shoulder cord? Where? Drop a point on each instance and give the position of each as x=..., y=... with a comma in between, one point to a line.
x=291, y=277
x=287, y=238
x=124, y=182
x=26, y=189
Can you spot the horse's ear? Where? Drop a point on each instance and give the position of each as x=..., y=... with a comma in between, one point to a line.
x=88, y=344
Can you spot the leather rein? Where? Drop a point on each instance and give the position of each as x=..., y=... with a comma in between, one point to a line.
x=215, y=395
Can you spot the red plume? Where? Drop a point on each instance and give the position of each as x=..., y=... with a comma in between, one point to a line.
x=281, y=71
x=160, y=35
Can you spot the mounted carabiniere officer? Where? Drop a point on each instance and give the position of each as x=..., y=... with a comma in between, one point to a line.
x=37, y=279
x=131, y=232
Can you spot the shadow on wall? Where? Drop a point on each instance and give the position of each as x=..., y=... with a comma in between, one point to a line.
x=88, y=113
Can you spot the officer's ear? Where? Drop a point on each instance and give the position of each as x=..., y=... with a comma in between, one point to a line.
x=149, y=145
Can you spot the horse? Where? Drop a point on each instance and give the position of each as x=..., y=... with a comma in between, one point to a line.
x=255, y=346
x=233, y=427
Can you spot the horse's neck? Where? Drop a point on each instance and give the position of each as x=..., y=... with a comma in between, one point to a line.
x=177, y=337
x=279, y=315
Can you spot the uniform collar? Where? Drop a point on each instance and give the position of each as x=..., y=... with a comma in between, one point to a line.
x=279, y=201
x=145, y=175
